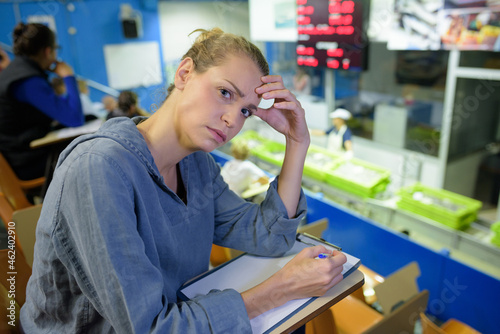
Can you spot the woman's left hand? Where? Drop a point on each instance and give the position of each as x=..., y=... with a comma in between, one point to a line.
x=286, y=115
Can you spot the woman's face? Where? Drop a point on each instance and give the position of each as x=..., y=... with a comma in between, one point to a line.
x=214, y=105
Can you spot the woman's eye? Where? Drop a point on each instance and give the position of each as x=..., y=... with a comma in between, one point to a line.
x=225, y=92
x=247, y=113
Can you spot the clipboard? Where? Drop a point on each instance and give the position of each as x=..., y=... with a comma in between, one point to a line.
x=247, y=271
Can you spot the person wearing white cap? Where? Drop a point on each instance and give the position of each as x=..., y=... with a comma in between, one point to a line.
x=339, y=135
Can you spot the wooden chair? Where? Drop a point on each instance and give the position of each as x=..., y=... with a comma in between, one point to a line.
x=23, y=273
x=25, y=221
x=15, y=189
x=452, y=326
x=366, y=293
x=353, y=315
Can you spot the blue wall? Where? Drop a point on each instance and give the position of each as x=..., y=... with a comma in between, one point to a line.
x=97, y=24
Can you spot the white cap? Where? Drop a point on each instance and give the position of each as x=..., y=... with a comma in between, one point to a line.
x=341, y=113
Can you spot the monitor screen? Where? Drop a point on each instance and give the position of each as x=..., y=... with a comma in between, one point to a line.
x=330, y=34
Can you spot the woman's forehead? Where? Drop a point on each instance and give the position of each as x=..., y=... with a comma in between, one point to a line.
x=242, y=72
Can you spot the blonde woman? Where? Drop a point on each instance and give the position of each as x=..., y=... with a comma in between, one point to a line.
x=133, y=210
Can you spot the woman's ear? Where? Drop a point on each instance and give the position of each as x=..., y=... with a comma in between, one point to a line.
x=184, y=71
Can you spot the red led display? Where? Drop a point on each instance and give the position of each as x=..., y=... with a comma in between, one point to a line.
x=330, y=33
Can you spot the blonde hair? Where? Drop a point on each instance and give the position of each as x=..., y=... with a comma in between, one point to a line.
x=213, y=46
x=240, y=149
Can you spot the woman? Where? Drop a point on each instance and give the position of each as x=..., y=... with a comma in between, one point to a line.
x=133, y=210
x=28, y=104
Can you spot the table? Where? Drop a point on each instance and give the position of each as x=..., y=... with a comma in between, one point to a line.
x=67, y=134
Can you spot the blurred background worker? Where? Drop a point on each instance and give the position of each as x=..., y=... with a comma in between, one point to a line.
x=128, y=106
x=339, y=135
x=4, y=59
x=28, y=103
x=241, y=174
x=302, y=83
x=109, y=103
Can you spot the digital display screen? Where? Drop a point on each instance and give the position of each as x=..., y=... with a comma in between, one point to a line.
x=330, y=34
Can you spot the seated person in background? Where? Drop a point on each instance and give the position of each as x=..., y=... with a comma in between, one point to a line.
x=89, y=109
x=28, y=103
x=133, y=210
x=339, y=136
x=302, y=81
x=239, y=173
x=58, y=85
x=109, y=103
x=4, y=59
x=127, y=106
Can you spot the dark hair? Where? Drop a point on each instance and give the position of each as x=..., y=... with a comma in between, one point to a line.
x=30, y=38
x=126, y=100
x=211, y=47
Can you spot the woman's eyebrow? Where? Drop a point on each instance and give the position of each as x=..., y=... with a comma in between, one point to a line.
x=240, y=93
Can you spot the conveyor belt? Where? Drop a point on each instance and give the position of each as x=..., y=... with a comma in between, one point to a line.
x=472, y=246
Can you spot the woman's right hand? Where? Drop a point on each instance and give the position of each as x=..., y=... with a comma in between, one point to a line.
x=62, y=69
x=302, y=277
x=305, y=276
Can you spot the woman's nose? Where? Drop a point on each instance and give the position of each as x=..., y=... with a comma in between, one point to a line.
x=230, y=117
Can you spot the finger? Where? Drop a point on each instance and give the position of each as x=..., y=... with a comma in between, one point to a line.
x=338, y=259
x=271, y=78
x=336, y=279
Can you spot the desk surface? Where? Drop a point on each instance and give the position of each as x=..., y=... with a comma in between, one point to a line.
x=348, y=285
x=66, y=134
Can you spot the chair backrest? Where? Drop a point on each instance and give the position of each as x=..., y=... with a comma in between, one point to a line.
x=11, y=303
x=324, y=323
x=6, y=209
x=453, y=326
x=352, y=315
x=428, y=326
x=219, y=255
x=22, y=273
x=403, y=318
x=10, y=186
x=23, y=224
x=398, y=287
x=26, y=221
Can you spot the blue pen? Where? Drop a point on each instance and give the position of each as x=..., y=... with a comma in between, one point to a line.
x=322, y=256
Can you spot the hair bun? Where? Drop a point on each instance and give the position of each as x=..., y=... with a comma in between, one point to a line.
x=19, y=30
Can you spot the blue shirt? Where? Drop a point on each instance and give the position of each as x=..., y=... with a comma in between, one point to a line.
x=37, y=92
x=114, y=244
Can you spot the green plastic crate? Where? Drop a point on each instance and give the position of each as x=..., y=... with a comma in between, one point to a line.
x=253, y=139
x=272, y=152
x=319, y=161
x=495, y=228
x=358, y=177
x=448, y=208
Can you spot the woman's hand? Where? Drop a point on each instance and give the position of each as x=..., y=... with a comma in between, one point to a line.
x=286, y=115
x=303, y=276
x=62, y=69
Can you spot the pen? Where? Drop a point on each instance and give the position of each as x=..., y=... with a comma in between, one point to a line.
x=319, y=240
x=322, y=256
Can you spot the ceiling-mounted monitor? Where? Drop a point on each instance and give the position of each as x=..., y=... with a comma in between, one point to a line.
x=330, y=34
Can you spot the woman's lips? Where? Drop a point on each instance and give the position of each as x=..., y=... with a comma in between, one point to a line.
x=219, y=136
